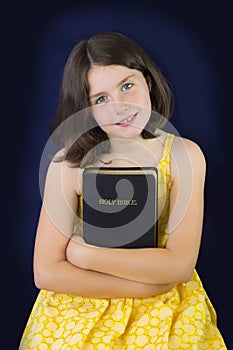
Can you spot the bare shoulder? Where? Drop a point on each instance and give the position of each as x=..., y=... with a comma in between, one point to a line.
x=187, y=154
x=182, y=146
x=69, y=174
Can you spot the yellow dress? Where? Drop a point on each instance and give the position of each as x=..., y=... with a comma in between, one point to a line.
x=182, y=318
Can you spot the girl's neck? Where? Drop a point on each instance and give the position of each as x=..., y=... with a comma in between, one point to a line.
x=125, y=146
x=129, y=152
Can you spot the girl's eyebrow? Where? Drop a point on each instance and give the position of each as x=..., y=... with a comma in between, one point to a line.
x=118, y=84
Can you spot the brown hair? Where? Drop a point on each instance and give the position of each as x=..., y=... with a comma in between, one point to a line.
x=108, y=48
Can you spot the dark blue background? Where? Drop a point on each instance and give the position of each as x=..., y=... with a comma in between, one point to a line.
x=191, y=44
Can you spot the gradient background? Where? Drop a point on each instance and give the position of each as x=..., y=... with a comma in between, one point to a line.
x=191, y=44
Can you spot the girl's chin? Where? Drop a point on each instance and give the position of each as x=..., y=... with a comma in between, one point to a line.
x=126, y=133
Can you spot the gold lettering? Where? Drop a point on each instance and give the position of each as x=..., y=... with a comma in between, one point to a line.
x=103, y=201
x=125, y=202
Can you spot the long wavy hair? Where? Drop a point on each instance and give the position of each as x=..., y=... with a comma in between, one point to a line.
x=77, y=131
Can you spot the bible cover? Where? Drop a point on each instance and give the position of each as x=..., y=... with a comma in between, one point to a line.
x=120, y=207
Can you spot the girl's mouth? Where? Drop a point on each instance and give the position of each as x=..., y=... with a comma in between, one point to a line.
x=127, y=121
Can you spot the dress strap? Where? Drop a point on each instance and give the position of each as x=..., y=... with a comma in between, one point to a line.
x=164, y=164
x=168, y=146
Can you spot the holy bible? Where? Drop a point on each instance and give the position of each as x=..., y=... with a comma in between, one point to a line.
x=120, y=207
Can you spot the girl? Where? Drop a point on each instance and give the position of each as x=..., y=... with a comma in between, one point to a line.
x=110, y=298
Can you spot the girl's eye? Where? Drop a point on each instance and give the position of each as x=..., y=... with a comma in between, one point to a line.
x=126, y=86
x=101, y=100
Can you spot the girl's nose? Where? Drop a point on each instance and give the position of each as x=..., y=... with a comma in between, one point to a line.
x=119, y=107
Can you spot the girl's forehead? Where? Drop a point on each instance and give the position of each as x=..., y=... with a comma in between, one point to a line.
x=113, y=70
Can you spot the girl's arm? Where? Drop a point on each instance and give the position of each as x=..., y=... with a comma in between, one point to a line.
x=176, y=262
x=52, y=271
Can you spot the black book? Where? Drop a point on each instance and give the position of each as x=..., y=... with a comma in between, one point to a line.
x=120, y=207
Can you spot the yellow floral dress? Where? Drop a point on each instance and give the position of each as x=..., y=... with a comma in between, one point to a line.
x=182, y=318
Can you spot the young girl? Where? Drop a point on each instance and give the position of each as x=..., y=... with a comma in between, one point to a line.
x=113, y=298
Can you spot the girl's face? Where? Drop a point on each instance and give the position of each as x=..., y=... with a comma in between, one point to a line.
x=120, y=100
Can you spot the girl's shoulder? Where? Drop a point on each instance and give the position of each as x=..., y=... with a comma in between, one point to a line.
x=69, y=175
x=182, y=146
x=179, y=142
x=186, y=157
